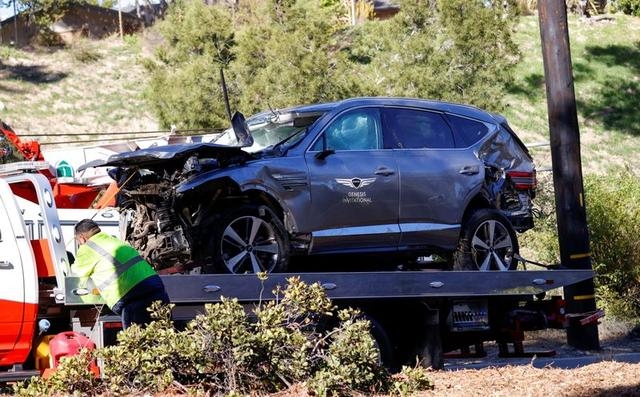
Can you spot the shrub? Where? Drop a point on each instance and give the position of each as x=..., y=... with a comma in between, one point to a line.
x=540, y=244
x=84, y=52
x=73, y=378
x=613, y=216
x=227, y=351
x=629, y=7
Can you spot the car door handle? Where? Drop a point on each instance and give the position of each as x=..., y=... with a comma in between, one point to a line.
x=384, y=172
x=6, y=265
x=469, y=170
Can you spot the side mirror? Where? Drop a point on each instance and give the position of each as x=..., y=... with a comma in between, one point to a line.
x=324, y=154
x=241, y=130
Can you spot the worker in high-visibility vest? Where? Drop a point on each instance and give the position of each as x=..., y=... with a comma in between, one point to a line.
x=126, y=282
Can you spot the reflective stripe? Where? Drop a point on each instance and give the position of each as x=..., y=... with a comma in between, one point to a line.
x=120, y=268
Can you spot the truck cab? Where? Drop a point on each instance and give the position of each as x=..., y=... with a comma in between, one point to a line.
x=33, y=261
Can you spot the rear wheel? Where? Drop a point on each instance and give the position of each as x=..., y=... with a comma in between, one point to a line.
x=249, y=239
x=487, y=242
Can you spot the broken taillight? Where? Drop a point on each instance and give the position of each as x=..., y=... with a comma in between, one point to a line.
x=523, y=180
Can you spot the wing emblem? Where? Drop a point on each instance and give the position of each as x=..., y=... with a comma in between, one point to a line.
x=355, y=183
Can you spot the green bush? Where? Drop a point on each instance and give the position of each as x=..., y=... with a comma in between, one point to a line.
x=613, y=216
x=629, y=7
x=540, y=244
x=227, y=351
x=73, y=378
x=83, y=51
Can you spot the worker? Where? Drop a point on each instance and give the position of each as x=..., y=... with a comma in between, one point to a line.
x=127, y=283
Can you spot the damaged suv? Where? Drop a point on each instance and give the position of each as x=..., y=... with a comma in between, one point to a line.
x=394, y=176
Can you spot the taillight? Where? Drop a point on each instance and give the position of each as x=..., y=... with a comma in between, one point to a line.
x=523, y=180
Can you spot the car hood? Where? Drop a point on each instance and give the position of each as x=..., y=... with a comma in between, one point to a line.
x=159, y=155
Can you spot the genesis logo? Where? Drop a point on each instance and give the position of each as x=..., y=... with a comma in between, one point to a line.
x=356, y=183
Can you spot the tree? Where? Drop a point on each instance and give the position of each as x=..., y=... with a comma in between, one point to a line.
x=457, y=50
x=288, y=57
x=291, y=52
x=185, y=82
x=43, y=13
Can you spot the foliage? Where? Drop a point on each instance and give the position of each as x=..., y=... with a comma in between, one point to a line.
x=83, y=52
x=436, y=50
x=103, y=3
x=185, y=85
x=351, y=362
x=410, y=381
x=145, y=358
x=297, y=337
x=630, y=7
x=287, y=57
x=73, y=378
x=294, y=52
x=613, y=212
x=44, y=13
x=541, y=244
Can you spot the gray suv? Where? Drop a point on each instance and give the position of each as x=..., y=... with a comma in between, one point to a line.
x=399, y=177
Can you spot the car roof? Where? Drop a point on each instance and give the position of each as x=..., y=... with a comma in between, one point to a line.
x=441, y=106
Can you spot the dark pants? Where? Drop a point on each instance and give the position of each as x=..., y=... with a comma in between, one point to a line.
x=132, y=308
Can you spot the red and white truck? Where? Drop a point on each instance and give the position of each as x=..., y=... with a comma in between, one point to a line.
x=414, y=313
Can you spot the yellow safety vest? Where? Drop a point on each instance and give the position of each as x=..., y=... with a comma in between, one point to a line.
x=114, y=266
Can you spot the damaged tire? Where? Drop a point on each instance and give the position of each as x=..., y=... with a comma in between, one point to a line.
x=487, y=242
x=249, y=239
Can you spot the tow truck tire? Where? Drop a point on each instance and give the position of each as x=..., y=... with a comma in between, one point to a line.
x=249, y=239
x=383, y=343
x=487, y=242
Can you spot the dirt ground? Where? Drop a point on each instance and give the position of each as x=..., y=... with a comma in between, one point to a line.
x=564, y=374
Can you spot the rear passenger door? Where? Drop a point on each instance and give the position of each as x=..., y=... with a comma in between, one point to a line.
x=436, y=179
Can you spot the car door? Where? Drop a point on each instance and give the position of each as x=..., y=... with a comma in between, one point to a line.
x=435, y=178
x=354, y=185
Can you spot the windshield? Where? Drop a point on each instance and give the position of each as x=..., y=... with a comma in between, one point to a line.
x=271, y=128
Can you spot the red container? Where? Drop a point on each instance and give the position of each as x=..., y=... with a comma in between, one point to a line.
x=67, y=344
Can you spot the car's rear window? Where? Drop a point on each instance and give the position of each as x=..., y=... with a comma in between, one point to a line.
x=467, y=131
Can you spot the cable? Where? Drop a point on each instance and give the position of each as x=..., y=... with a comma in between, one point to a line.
x=175, y=132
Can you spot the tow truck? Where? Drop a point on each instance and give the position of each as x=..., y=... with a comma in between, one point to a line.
x=414, y=313
x=68, y=191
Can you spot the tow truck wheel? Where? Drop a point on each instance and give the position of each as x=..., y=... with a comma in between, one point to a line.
x=487, y=242
x=249, y=239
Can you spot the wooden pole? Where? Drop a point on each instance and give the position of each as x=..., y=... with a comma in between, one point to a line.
x=120, y=19
x=573, y=234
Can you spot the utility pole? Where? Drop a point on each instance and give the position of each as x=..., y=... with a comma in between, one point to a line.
x=120, y=19
x=15, y=23
x=571, y=214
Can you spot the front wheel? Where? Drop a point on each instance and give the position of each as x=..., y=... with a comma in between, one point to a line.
x=487, y=242
x=249, y=239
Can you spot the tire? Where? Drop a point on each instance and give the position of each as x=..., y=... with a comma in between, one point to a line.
x=487, y=242
x=382, y=342
x=249, y=239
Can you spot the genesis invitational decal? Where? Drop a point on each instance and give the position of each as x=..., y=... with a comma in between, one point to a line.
x=356, y=183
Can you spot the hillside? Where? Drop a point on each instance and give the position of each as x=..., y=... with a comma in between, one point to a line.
x=606, y=67
x=89, y=88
